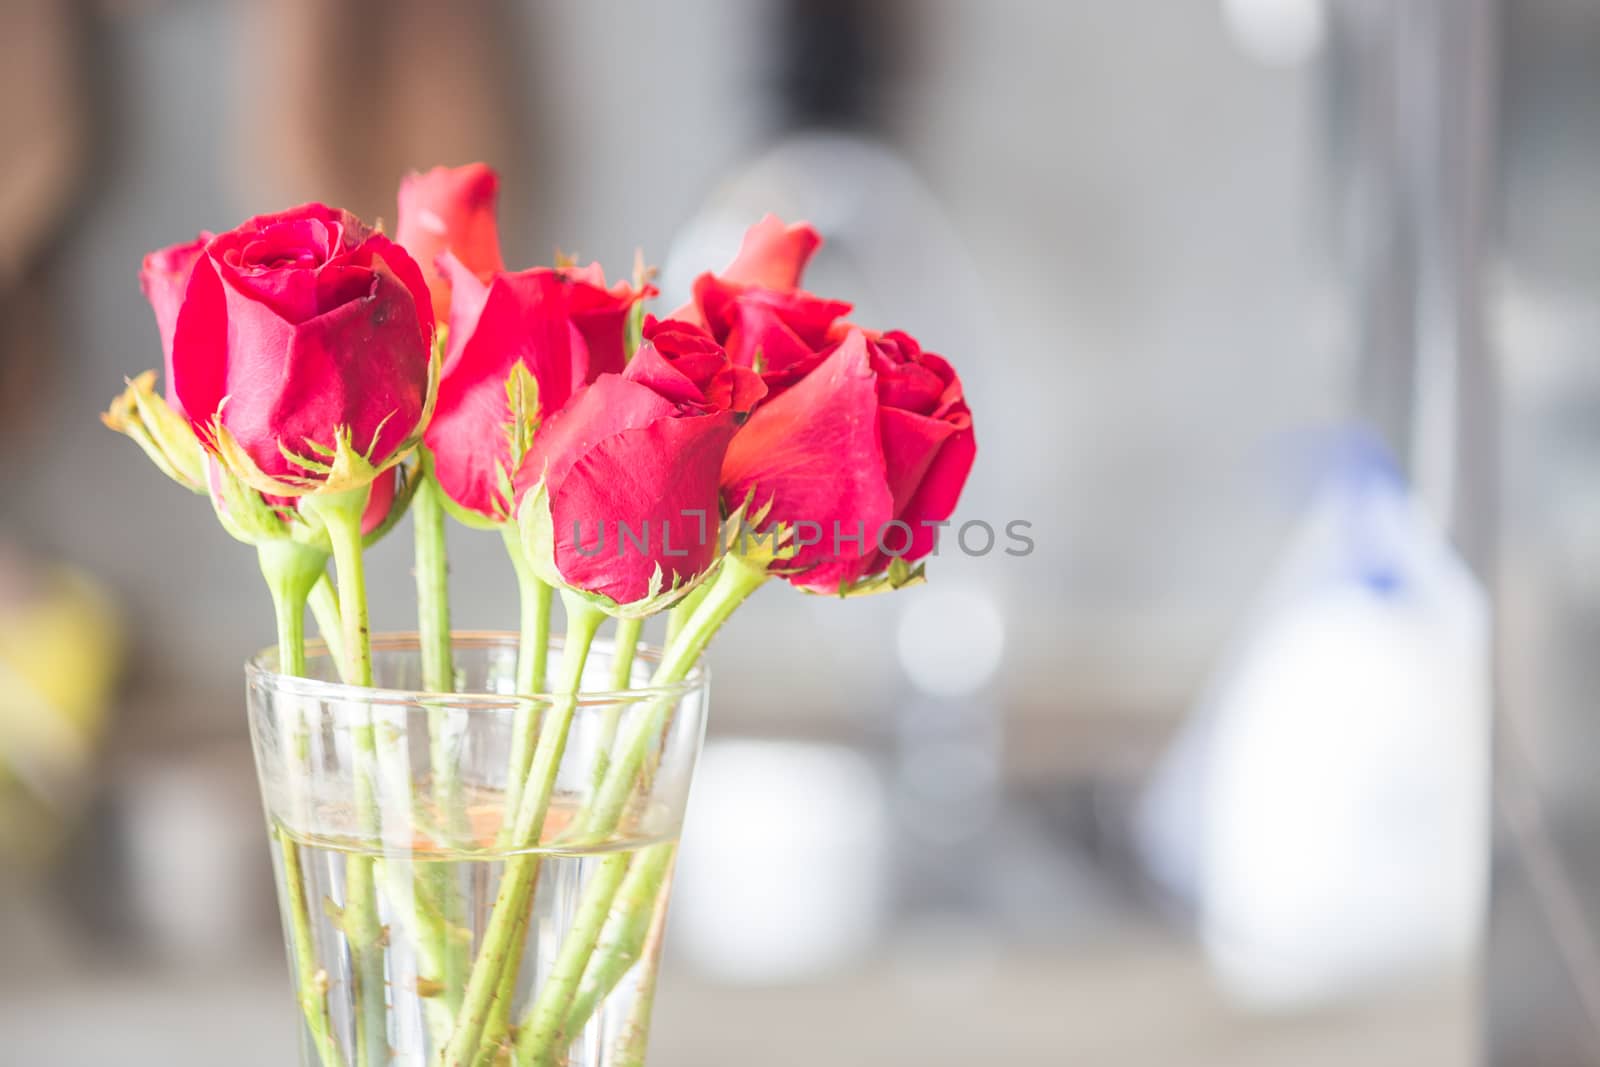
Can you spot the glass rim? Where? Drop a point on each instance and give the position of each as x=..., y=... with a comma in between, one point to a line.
x=261, y=668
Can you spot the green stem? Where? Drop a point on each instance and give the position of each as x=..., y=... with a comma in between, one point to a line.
x=535, y=597
x=636, y=1032
x=626, y=644
x=683, y=610
x=361, y=923
x=292, y=570
x=423, y=923
x=340, y=515
x=497, y=1025
x=635, y=1037
x=324, y=604
x=533, y=648
x=433, y=584
x=436, y=889
x=543, y=1033
x=627, y=927
x=291, y=619
x=550, y=1023
x=516, y=883
x=311, y=981
x=733, y=585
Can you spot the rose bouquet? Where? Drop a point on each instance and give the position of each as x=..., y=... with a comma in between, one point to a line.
x=474, y=834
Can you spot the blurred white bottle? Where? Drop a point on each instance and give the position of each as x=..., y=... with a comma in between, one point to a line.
x=1326, y=812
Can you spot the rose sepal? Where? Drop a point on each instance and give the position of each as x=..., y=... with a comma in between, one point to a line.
x=900, y=575
x=248, y=517
x=166, y=437
x=322, y=510
x=742, y=535
x=522, y=402
x=339, y=469
x=770, y=550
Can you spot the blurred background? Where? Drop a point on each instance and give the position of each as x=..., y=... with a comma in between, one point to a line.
x=1278, y=320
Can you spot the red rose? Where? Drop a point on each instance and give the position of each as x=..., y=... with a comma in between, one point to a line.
x=303, y=337
x=872, y=444
x=756, y=311
x=164, y=277
x=621, y=485
x=450, y=209
x=563, y=327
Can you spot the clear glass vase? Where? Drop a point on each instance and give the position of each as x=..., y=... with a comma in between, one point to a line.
x=477, y=877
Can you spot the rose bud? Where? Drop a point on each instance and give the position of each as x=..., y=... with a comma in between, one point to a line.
x=856, y=462
x=517, y=346
x=756, y=309
x=164, y=278
x=619, y=493
x=450, y=209
x=302, y=354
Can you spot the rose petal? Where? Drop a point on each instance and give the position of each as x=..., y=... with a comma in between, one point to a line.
x=359, y=367
x=600, y=316
x=380, y=500
x=450, y=209
x=607, y=406
x=384, y=256
x=815, y=455
x=468, y=296
x=910, y=443
x=279, y=259
x=520, y=318
x=935, y=499
x=198, y=376
x=773, y=255
x=164, y=278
